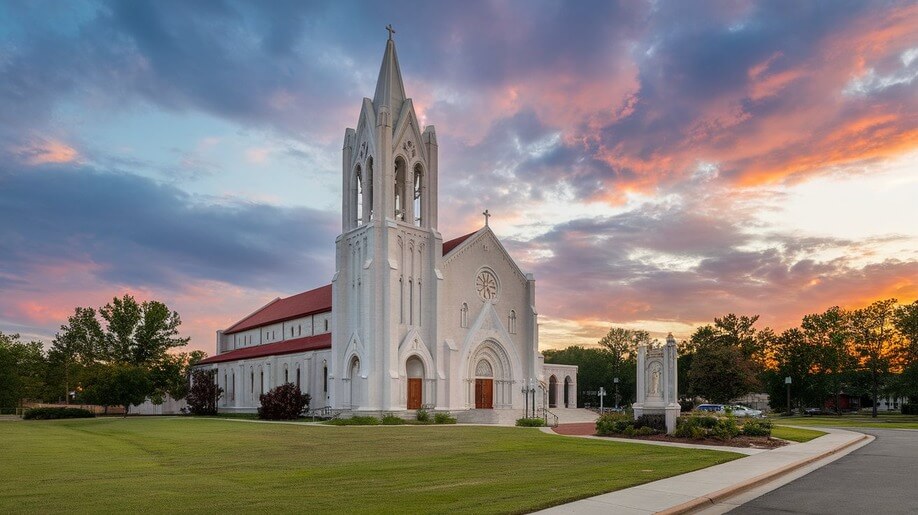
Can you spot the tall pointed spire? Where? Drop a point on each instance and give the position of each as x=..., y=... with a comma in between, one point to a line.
x=390, y=91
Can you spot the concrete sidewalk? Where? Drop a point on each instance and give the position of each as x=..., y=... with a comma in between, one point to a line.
x=695, y=490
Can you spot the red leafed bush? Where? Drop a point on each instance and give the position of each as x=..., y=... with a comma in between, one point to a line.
x=284, y=402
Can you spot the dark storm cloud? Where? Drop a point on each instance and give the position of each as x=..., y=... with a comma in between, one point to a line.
x=146, y=234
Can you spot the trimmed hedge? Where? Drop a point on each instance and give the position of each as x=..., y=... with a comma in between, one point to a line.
x=422, y=415
x=56, y=413
x=355, y=421
x=530, y=422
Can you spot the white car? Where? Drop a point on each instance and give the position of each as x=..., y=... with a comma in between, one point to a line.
x=739, y=410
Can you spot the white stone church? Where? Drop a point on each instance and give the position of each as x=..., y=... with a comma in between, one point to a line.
x=409, y=320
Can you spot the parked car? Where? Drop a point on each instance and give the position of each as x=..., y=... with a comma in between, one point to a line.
x=739, y=410
x=710, y=408
x=809, y=412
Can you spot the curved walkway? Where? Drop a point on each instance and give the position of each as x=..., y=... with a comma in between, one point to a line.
x=709, y=486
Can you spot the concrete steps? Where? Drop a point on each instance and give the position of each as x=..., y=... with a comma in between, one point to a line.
x=574, y=415
x=500, y=417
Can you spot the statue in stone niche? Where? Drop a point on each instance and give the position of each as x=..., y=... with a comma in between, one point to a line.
x=657, y=387
x=655, y=380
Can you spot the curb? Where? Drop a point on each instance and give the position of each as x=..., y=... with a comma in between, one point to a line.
x=732, y=490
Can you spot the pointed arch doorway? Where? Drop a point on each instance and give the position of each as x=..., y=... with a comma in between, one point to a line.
x=484, y=385
x=415, y=369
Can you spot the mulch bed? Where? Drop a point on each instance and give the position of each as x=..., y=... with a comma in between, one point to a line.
x=755, y=442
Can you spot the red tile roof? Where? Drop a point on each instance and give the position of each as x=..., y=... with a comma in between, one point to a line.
x=307, y=303
x=448, y=246
x=300, y=305
x=317, y=342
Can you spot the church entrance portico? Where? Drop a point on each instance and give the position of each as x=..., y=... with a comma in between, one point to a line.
x=491, y=378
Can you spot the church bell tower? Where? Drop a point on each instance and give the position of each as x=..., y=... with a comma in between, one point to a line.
x=385, y=290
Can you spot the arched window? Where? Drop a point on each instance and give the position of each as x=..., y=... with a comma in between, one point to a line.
x=252, y=381
x=464, y=315
x=298, y=379
x=511, y=322
x=325, y=377
x=286, y=375
x=400, y=203
x=410, y=302
x=401, y=299
x=261, y=382
x=358, y=197
x=416, y=186
x=232, y=392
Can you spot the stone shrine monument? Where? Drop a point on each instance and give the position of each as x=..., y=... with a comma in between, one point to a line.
x=657, y=382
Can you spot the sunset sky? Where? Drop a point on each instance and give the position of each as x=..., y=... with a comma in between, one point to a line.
x=655, y=164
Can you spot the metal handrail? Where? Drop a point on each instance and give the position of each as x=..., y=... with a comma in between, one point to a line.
x=545, y=416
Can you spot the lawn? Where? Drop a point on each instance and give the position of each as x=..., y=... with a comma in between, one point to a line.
x=213, y=465
x=794, y=434
x=883, y=421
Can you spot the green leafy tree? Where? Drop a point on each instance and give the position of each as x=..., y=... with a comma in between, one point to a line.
x=906, y=323
x=828, y=336
x=119, y=385
x=877, y=345
x=621, y=347
x=139, y=334
x=742, y=349
x=78, y=344
x=22, y=370
x=721, y=373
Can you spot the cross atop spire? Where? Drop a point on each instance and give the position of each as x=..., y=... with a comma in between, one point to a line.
x=487, y=215
x=390, y=90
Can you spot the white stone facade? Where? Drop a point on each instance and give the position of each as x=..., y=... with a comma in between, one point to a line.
x=657, y=382
x=413, y=322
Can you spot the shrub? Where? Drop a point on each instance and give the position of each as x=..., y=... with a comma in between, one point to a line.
x=655, y=422
x=699, y=427
x=284, y=402
x=392, y=420
x=423, y=415
x=204, y=393
x=687, y=405
x=56, y=413
x=530, y=422
x=757, y=428
x=444, y=418
x=355, y=421
x=910, y=409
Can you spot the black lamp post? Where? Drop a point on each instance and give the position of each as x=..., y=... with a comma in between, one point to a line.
x=787, y=381
x=525, y=391
x=616, y=392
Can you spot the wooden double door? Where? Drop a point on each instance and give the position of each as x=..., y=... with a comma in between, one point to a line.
x=415, y=396
x=484, y=394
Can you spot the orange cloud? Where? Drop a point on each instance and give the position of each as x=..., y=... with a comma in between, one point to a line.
x=44, y=151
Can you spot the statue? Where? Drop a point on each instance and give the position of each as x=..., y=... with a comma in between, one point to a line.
x=657, y=392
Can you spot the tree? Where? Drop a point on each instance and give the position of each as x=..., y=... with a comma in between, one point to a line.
x=877, y=345
x=78, y=343
x=793, y=357
x=139, y=334
x=119, y=385
x=204, y=394
x=721, y=373
x=171, y=375
x=906, y=323
x=741, y=347
x=621, y=345
x=284, y=402
x=829, y=335
x=22, y=370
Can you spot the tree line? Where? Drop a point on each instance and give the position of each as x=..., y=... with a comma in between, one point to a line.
x=116, y=355
x=866, y=353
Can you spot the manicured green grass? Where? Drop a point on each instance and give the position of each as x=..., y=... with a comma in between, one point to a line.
x=883, y=421
x=794, y=434
x=212, y=465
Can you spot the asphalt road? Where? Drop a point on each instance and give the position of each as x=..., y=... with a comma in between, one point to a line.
x=881, y=477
